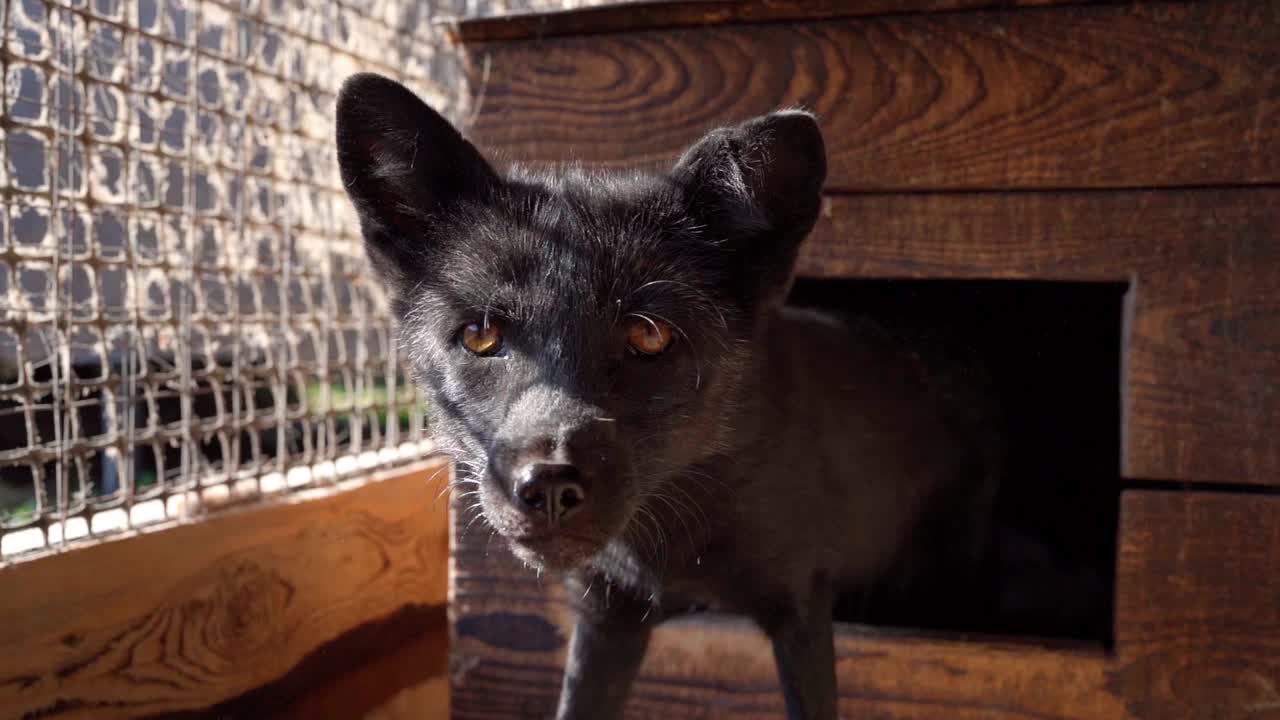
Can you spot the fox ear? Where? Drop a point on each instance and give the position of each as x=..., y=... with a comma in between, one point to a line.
x=402, y=163
x=761, y=184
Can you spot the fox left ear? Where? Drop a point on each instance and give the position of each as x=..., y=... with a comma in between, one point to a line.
x=760, y=183
x=402, y=164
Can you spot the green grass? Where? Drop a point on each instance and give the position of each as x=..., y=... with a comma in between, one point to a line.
x=19, y=513
x=18, y=506
x=341, y=399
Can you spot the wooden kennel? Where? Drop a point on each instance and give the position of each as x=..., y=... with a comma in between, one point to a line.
x=1135, y=143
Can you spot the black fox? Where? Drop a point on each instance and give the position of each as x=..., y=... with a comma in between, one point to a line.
x=613, y=366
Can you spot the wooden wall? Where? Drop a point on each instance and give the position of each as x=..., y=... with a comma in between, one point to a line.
x=1196, y=621
x=1162, y=103
x=1136, y=142
x=320, y=608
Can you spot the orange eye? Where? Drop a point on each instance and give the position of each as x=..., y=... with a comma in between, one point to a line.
x=649, y=337
x=481, y=339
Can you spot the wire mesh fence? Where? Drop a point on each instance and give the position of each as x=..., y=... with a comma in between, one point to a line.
x=185, y=313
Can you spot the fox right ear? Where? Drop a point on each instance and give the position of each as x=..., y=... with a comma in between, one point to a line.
x=401, y=164
x=761, y=181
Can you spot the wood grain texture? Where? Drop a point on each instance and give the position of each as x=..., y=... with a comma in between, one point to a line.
x=1097, y=96
x=1202, y=370
x=185, y=618
x=511, y=630
x=636, y=16
x=1198, y=606
x=350, y=676
x=1197, y=640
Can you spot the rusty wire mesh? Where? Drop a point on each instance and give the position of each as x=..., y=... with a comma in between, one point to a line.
x=185, y=314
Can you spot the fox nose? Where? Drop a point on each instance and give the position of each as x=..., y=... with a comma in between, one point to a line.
x=552, y=490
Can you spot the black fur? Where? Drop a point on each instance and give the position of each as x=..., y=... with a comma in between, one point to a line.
x=771, y=462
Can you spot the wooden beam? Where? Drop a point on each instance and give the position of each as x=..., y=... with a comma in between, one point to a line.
x=1202, y=368
x=636, y=16
x=188, y=617
x=1152, y=94
x=1199, y=608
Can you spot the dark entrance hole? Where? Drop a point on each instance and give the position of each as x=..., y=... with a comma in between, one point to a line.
x=1054, y=353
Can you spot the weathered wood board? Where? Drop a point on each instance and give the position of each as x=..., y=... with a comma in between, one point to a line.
x=197, y=615
x=1154, y=94
x=631, y=16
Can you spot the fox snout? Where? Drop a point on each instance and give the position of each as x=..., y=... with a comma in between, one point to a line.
x=551, y=492
x=547, y=489
x=553, y=456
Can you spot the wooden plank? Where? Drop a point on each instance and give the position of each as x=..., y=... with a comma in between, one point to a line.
x=511, y=630
x=633, y=16
x=1066, y=236
x=1198, y=605
x=1202, y=369
x=1198, y=627
x=714, y=669
x=185, y=618
x=1097, y=96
